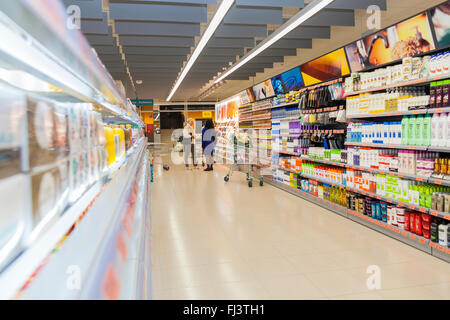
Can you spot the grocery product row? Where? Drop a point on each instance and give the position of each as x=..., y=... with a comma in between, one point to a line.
x=421, y=130
x=421, y=69
x=420, y=195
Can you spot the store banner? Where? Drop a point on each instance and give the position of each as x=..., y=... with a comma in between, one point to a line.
x=289, y=81
x=440, y=16
x=405, y=39
x=263, y=90
x=330, y=66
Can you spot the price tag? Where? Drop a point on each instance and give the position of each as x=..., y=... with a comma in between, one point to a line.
x=120, y=245
x=440, y=248
x=398, y=114
x=423, y=210
x=401, y=175
x=111, y=285
x=423, y=241
x=415, y=112
x=419, y=179
x=412, y=236
x=401, y=204
x=436, y=181
x=433, y=245
x=411, y=206
x=439, y=111
x=404, y=233
x=447, y=217
x=434, y=213
x=379, y=197
x=389, y=114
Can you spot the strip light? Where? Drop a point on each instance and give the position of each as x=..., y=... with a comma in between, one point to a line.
x=221, y=12
x=303, y=15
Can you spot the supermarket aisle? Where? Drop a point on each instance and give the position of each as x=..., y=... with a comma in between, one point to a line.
x=213, y=240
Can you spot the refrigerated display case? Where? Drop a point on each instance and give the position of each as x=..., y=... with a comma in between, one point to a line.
x=75, y=221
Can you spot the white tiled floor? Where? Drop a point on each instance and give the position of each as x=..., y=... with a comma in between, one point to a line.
x=216, y=240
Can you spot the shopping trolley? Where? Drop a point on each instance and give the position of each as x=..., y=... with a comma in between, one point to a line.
x=242, y=160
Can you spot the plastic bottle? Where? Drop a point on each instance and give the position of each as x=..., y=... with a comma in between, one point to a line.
x=419, y=131
x=412, y=130
x=405, y=130
x=434, y=129
x=443, y=235
x=110, y=145
x=442, y=131
x=427, y=130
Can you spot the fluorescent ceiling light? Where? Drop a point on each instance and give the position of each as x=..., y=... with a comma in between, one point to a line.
x=221, y=12
x=303, y=15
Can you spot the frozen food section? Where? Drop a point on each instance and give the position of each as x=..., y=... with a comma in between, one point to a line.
x=74, y=166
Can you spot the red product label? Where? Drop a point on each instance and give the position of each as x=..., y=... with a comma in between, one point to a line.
x=418, y=226
x=412, y=222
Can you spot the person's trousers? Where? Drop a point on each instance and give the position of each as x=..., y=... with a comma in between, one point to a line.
x=189, y=149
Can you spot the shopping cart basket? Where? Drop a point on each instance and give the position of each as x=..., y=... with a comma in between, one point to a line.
x=242, y=161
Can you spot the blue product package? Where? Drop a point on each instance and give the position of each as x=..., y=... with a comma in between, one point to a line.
x=378, y=210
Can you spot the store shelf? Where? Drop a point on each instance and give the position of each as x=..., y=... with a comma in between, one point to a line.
x=404, y=236
x=398, y=85
x=286, y=152
x=76, y=239
x=390, y=146
x=376, y=171
x=400, y=113
x=286, y=119
x=321, y=110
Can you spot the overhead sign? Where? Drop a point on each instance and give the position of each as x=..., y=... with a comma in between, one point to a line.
x=206, y=114
x=142, y=102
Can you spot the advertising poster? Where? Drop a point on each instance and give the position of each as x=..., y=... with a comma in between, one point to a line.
x=405, y=39
x=250, y=94
x=289, y=81
x=327, y=67
x=440, y=16
x=263, y=90
x=244, y=98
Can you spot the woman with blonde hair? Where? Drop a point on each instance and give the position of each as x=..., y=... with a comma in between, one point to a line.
x=188, y=142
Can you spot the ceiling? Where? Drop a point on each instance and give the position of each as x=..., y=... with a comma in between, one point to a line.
x=154, y=38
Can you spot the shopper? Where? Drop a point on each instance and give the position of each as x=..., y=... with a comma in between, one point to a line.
x=189, y=143
x=208, y=139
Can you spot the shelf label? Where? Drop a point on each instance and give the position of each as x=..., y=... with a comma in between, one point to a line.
x=111, y=285
x=434, y=213
x=412, y=236
x=404, y=233
x=120, y=245
x=436, y=181
x=419, y=179
x=423, y=210
x=440, y=248
x=411, y=206
x=447, y=217
x=439, y=111
x=423, y=241
x=397, y=230
x=448, y=251
x=433, y=245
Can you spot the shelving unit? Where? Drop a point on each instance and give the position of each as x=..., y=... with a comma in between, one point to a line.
x=103, y=233
x=404, y=236
x=315, y=125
